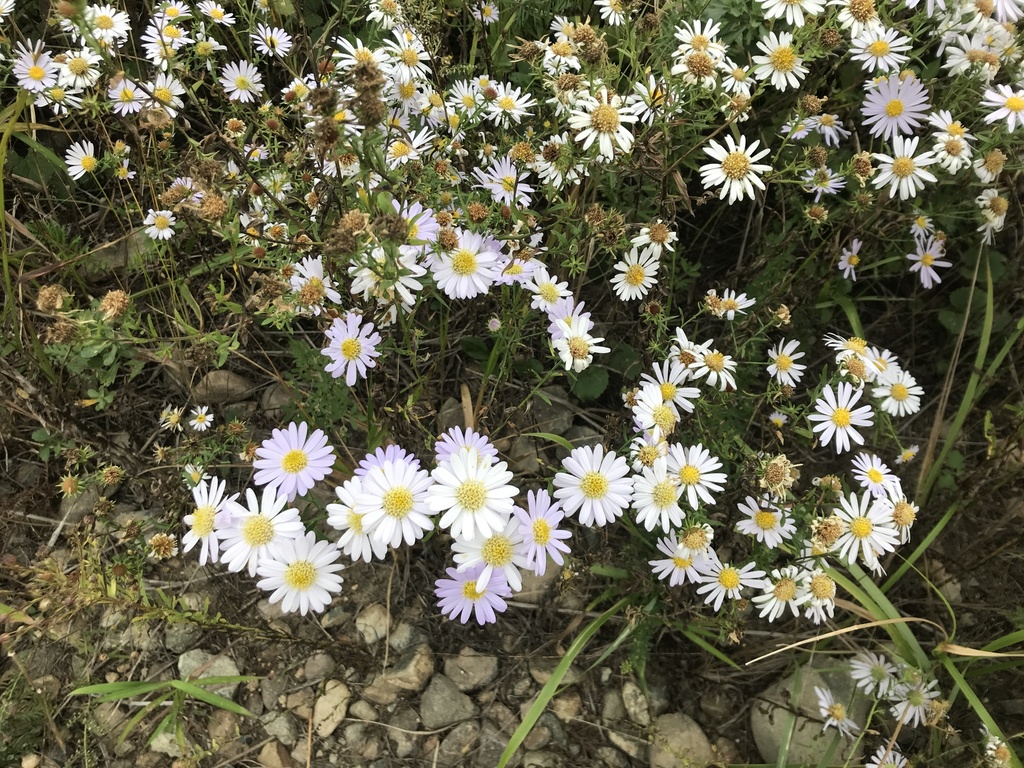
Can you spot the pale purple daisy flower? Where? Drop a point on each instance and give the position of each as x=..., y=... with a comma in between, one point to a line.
x=459, y=441
x=538, y=525
x=293, y=460
x=352, y=347
x=896, y=106
x=458, y=596
x=382, y=455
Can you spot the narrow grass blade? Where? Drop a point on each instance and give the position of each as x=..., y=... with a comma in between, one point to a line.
x=548, y=691
x=979, y=709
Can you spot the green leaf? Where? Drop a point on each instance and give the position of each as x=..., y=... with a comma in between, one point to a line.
x=548, y=691
x=120, y=690
x=475, y=347
x=590, y=383
x=553, y=438
x=221, y=702
x=611, y=571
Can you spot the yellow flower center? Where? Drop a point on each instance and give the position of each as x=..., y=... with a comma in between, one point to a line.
x=647, y=455
x=736, y=165
x=999, y=205
x=635, y=275
x=562, y=48
x=88, y=163
x=161, y=222
x=202, y=520
x=681, y=562
x=78, y=65
x=548, y=292
x=216, y=13
x=903, y=514
x=506, y=103
x=764, y=520
x=497, y=550
x=410, y=57
x=862, y=10
x=541, y=532
x=822, y=587
x=841, y=417
x=163, y=95
x=874, y=475
x=407, y=90
x=663, y=418
x=879, y=48
x=715, y=361
x=578, y=347
x=605, y=118
x=861, y=527
x=508, y=183
x=784, y=590
x=294, y=461
x=695, y=538
x=729, y=578
x=668, y=391
x=894, y=108
x=243, y=83
x=782, y=59
x=470, y=592
x=699, y=42
x=351, y=349
x=1015, y=104
x=36, y=72
x=300, y=575
x=594, y=485
x=471, y=495
x=837, y=712
x=104, y=22
x=664, y=494
x=127, y=95
x=783, y=362
x=204, y=48
x=355, y=522
x=464, y=262
x=257, y=531
x=903, y=167
x=689, y=475
x=397, y=502
x=899, y=392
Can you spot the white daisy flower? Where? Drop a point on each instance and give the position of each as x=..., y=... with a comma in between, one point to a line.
x=393, y=502
x=207, y=519
x=901, y=395
x=201, y=418
x=302, y=575
x=837, y=416
x=821, y=601
x=509, y=106
x=903, y=171
x=638, y=272
x=784, y=368
x=873, y=673
x=468, y=271
x=653, y=414
x=783, y=588
x=575, y=346
x=698, y=473
x=780, y=63
x=241, y=81
x=601, y=119
x=159, y=225
x=880, y=48
x=34, y=67
x=272, y=41
x=792, y=10
x=594, y=482
x=728, y=304
x=293, y=459
x=670, y=375
x=736, y=168
x=474, y=495
x=81, y=159
x=873, y=475
x=721, y=580
x=834, y=713
x=1008, y=103
x=656, y=495
x=502, y=551
x=912, y=699
x=257, y=529
x=718, y=368
x=765, y=522
x=870, y=531
x=677, y=567
x=344, y=515
x=546, y=289
x=80, y=69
